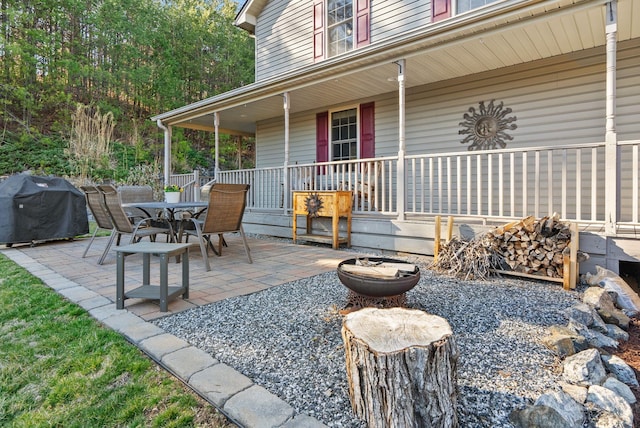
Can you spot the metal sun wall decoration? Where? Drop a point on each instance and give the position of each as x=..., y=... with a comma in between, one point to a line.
x=486, y=128
x=313, y=204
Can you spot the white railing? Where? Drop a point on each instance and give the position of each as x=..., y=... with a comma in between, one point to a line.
x=513, y=183
x=509, y=183
x=190, y=184
x=371, y=180
x=629, y=167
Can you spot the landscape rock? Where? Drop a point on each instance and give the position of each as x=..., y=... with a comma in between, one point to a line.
x=609, y=401
x=616, y=333
x=577, y=392
x=571, y=412
x=598, y=322
x=601, y=300
x=560, y=344
x=598, y=298
x=584, y=368
x=620, y=369
x=593, y=337
x=608, y=420
x=620, y=388
x=579, y=342
x=615, y=316
x=581, y=313
x=537, y=417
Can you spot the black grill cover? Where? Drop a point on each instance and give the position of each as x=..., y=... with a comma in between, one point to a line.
x=40, y=208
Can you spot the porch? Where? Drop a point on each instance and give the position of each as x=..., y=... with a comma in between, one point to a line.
x=395, y=201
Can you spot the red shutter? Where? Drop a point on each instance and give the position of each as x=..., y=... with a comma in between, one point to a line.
x=322, y=137
x=318, y=30
x=367, y=131
x=440, y=9
x=362, y=23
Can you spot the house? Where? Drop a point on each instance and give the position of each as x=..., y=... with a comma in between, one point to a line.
x=477, y=109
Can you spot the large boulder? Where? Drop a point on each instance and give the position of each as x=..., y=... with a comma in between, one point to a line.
x=620, y=369
x=607, y=400
x=584, y=368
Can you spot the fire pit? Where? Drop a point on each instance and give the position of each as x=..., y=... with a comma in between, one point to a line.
x=377, y=281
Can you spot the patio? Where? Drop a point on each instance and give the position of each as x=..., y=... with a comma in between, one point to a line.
x=252, y=381
x=274, y=263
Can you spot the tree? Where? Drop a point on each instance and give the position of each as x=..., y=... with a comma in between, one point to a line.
x=132, y=58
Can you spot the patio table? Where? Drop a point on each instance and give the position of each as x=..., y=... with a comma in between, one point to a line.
x=169, y=207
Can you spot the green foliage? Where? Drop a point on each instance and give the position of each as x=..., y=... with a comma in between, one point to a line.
x=133, y=58
x=60, y=367
x=29, y=152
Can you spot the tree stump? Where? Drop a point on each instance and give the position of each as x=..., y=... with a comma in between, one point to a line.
x=401, y=367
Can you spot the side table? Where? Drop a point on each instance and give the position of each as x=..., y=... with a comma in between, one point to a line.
x=161, y=292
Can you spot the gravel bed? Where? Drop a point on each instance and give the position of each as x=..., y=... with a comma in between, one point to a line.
x=287, y=339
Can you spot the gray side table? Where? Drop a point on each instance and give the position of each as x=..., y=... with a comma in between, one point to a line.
x=160, y=292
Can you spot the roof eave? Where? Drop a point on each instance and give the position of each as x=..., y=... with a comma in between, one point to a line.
x=388, y=50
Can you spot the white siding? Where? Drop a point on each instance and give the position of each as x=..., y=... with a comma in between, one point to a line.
x=284, y=31
x=284, y=37
x=556, y=102
x=302, y=141
x=392, y=18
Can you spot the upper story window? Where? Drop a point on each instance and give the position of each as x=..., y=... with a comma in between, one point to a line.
x=442, y=9
x=467, y=5
x=339, y=26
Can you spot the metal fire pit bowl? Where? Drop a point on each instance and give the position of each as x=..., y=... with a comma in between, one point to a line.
x=378, y=287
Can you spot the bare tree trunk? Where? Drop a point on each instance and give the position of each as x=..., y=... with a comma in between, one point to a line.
x=401, y=367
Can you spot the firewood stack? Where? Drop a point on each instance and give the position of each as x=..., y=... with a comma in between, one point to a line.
x=535, y=247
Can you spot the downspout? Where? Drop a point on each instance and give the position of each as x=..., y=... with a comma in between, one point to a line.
x=167, y=150
x=401, y=177
x=612, y=161
x=285, y=178
x=216, y=137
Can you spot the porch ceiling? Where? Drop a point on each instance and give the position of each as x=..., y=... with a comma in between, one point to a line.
x=505, y=34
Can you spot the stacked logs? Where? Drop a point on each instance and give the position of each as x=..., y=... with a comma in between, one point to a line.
x=535, y=247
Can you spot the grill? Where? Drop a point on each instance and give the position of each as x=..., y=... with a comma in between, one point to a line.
x=36, y=208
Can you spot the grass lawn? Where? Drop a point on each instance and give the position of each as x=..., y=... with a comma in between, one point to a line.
x=60, y=367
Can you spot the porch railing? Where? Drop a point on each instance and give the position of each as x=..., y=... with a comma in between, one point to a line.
x=509, y=183
x=190, y=184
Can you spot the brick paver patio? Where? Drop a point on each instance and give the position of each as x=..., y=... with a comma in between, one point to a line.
x=275, y=262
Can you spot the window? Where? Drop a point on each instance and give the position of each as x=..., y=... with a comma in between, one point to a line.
x=467, y=5
x=344, y=135
x=339, y=133
x=441, y=9
x=340, y=25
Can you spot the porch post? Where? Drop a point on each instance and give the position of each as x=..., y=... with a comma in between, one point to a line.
x=285, y=178
x=401, y=177
x=167, y=150
x=612, y=174
x=216, y=139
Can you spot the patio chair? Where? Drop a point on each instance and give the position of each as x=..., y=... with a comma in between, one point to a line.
x=137, y=194
x=223, y=215
x=122, y=225
x=98, y=209
x=205, y=189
